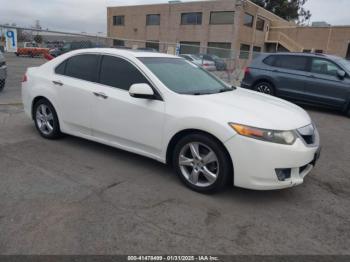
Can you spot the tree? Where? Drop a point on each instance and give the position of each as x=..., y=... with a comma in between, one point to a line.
x=291, y=10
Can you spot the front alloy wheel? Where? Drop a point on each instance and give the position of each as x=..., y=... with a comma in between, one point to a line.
x=199, y=164
x=202, y=163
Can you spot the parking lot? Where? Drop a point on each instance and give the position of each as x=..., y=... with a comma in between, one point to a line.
x=73, y=196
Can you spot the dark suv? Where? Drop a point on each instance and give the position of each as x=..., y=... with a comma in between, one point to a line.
x=317, y=79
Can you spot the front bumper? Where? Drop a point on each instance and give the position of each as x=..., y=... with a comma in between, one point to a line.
x=255, y=162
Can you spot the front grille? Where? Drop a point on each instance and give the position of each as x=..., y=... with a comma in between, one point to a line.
x=308, y=134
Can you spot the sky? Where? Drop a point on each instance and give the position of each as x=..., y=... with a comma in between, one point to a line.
x=90, y=15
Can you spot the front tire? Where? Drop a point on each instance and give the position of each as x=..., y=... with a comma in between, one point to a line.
x=202, y=163
x=46, y=120
x=265, y=88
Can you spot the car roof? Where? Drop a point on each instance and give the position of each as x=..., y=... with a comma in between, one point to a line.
x=303, y=54
x=123, y=52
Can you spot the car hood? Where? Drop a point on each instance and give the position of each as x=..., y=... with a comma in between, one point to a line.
x=254, y=109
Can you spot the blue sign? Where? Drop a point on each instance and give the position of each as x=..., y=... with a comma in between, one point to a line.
x=11, y=40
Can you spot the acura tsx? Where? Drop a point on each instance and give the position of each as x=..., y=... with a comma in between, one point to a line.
x=171, y=110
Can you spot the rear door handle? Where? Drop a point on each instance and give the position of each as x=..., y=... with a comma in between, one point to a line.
x=99, y=94
x=312, y=76
x=57, y=83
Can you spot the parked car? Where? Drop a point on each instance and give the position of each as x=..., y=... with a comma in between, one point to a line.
x=220, y=63
x=3, y=71
x=208, y=65
x=162, y=107
x=67, y=47
x=317, y=79
x=32, y=50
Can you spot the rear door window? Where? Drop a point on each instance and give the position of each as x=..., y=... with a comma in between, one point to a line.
x=84, y=67
x=292, y=62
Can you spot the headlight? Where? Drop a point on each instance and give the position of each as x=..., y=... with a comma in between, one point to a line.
x=279, y=137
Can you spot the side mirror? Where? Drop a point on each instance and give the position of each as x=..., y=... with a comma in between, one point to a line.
x=143, y=91
x=341, y=74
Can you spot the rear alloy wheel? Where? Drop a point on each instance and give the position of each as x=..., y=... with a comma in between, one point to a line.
x=46, y=120
x=201, y=163
x=265, y=88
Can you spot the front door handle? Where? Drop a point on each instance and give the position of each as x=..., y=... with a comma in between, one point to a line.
x=100, y=94
x=57, y=83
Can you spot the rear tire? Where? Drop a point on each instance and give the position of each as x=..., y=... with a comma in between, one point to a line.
x=202, y=163
x=46, y=120
x=2, y=84
x=265, y=88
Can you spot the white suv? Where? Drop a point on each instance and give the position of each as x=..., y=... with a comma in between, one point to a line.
x=171, y=110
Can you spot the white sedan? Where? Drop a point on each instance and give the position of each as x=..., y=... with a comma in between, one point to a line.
x=166, y=108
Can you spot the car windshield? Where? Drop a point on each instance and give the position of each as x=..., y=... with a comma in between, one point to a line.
x=184, y=77
x=344, y=63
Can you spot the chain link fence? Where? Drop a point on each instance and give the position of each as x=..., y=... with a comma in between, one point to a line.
x=226, y=63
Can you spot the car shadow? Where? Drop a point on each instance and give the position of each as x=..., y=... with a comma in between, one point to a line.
x=159, y=169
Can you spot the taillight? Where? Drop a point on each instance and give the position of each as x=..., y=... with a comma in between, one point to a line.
x=246, y=71
x=206, y=64
x=25, y=78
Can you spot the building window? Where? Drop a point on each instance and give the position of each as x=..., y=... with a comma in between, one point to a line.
x=244, y=51
x=152, y=45
x=117, y=42
x=260, y=24
x=307, y=51
x=189, y=47
x=153, y=20
x=191, y=18
x=118, y=20
x=222, y=18
x=219, y=49
x=248, y=20
x=256, y=51
x=319, y=51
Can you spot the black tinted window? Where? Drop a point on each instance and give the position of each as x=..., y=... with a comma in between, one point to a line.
x=61, y=68
x=119, y=73
x=84, y=67
x=292, y=62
